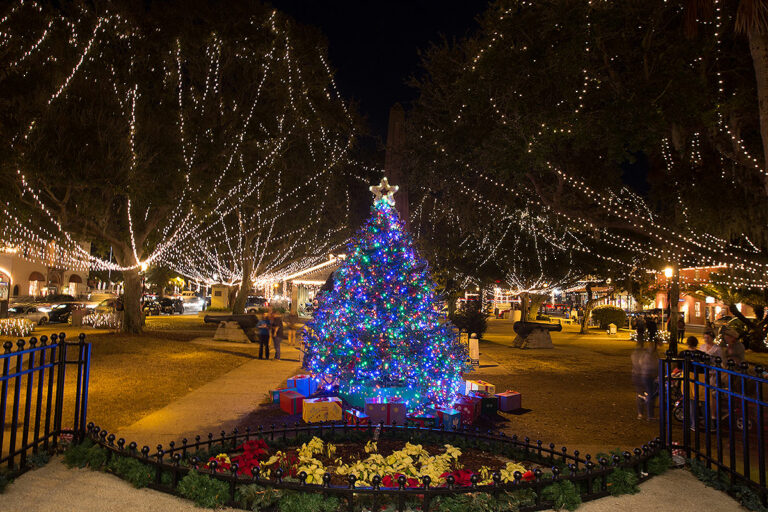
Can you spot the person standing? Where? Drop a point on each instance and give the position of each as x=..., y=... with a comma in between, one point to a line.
x=681, y=328
x=734, y=349
x=710, y=348
x=276, y=324
x=263, y=327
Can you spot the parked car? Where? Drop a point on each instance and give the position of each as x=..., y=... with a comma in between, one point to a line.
x=254, y=304
x=151, y=307
x=63, y=312
x=192, y=301
x=170, y=306
x=31, y=313
x=23, y=299
x=106, y=306
x=55, y=298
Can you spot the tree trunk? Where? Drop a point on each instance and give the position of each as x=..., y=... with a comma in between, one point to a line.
x=132, y=290
x=524, y=305
x=587, y=310
x=758, y=47
x=238, y=306
x=132, y=316
x=674, y=310
x=535, y=303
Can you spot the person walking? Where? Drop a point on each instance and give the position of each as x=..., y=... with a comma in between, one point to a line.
x=644, y=369
x=263, y=327
x=276, y=324
x=651, y=328
x=640, y=327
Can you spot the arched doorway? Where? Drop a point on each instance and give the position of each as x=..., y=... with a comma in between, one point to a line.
x=73, y=285
x=36, y=284
x=5, y=284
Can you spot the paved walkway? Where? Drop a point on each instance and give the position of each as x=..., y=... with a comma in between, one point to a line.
x=217, y=404
x=54, y=488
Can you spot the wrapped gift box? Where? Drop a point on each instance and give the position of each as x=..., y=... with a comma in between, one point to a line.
x=355, y=417
x=510, y=401
x=304, y=384
x=423, y=419
x=469, y=407
x=489, y=404
x=291, y=401
x=478, y=385
x=316, y=410
x=386, y=410
x=276, y=394
x=448, y=418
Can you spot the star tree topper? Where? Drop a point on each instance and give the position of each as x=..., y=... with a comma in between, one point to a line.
x=384, y=191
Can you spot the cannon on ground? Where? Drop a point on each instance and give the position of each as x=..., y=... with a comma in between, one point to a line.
x=238, y=328
x=534, y=334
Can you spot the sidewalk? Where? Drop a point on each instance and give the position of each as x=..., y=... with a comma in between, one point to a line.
x=54, y=488
x=219, y=402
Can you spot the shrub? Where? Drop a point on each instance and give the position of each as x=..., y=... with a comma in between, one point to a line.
x=660, y=463
x=39, y=459
x=307, y=502
x=563, y=495
x=607, y=314
x=471, y=318
x=136, y=472
x=4, y=481
x=85, y=454
x=204, y=491
x=255, y=497
x=622, y=481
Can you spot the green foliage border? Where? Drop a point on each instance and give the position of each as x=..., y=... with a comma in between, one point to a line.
x=611, y=475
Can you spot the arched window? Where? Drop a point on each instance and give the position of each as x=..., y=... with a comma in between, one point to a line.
x=15, y=290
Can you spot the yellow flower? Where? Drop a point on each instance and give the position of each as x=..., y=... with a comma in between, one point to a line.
x=370, y=447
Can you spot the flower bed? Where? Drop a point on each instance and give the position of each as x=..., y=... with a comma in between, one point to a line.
x=386, y=459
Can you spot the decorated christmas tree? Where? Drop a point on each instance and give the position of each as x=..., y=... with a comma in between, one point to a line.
x=379, y=331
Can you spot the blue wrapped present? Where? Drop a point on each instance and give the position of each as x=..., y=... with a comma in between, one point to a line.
x=304, y=384
x=448, y=418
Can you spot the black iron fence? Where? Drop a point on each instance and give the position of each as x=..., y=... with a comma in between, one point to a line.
x=716, y=412
x=591, y=477
x=33, y=397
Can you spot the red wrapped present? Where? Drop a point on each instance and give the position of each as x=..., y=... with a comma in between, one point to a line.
x=510, y=401
x=469, y=407
x=355, y=417
x=276, y=394
x=304, y=384
x=385, y=409
x=291, y=401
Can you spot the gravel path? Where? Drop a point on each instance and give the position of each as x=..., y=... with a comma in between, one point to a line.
x=54, y=488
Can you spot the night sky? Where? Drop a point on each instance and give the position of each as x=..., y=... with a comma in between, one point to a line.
x=374, y=45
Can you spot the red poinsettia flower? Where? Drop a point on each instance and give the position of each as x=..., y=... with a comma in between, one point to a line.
x=462, y=477
x=392, y=481
x=528, y=476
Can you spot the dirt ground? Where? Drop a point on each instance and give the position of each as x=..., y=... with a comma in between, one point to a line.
x=578, y=394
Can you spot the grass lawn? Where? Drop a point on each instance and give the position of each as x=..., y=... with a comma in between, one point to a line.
x=132, y=376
